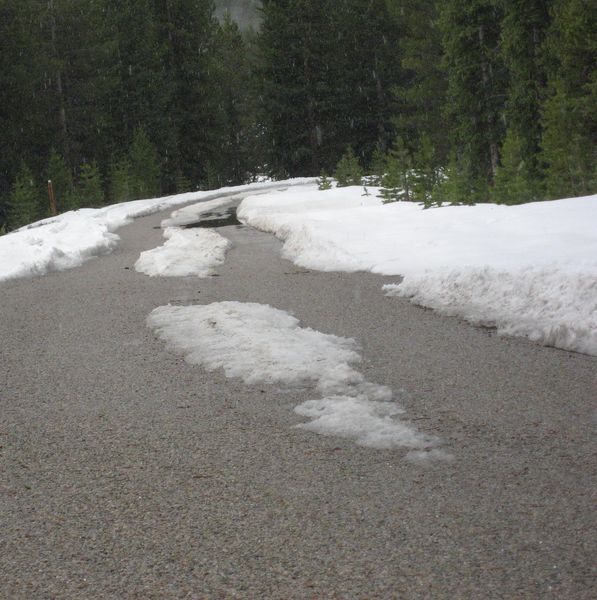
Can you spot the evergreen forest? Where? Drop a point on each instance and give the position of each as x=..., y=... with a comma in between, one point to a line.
x=438, y=100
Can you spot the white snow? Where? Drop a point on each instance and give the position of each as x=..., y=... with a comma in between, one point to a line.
x=190, y=214
x=261, y=344
x=528, y=270
x=68, y=240
x=186, y=252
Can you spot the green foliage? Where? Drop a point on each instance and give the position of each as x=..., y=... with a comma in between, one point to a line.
x=425, y=173
x=397, y=180
x=62, y=182
x=348, y=170
x=121, y=180
x=378, y=166
x=453, y=185
x=420, y=96
x=212, y=176
x=324, y=182
x=514, y=182
x=569, y=117
x=183, y=185
x=90, y=190
x=145, y=169
x=327, y=70
x=523, y=31
x=24, y=199
x=477, y=82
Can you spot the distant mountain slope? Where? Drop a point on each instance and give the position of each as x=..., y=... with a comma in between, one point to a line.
x=244, y=12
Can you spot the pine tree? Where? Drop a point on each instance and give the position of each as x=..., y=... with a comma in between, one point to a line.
x=425, y=172
x=62, y=182
x=569, y=121
x=348, y=171
x=514, y=182
x=183, y=185
x=89, y=190
x=477, y=83
x=397, y=180
x=420, y=95
x=145, y=170
x=454, y=183
x=121, y=180
x=24, y=200
x=324, y=182
x=186, y=31
x=146, y=94
x=236, y=153
x=378, y=166
x=523, y=31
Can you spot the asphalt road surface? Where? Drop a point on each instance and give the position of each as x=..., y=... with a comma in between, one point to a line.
x=127, y=473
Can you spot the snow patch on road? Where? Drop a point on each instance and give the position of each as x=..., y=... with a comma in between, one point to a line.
x=186, y=252
x=261, y=344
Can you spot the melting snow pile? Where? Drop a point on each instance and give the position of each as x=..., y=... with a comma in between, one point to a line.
x=258, y=343
x=529, y=270
x=68, y=240
x=186, y=252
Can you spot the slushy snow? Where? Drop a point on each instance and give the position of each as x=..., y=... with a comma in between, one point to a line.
x=528, y=270
x=261, y=344
x=186, y=252
x=70, y=239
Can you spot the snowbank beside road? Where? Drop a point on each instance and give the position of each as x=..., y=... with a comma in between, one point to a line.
x=528, y=270
x=68, y=240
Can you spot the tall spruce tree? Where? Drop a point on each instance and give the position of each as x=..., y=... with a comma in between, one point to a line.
x=233, y=104
x=420, y=96
x=144, y=166
x=523, y=31
x=569, y=115
x=476, y=85
x=186, y=32
x=146, y=87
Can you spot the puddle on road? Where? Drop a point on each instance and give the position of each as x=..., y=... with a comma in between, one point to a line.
x=216, y=219
x=213, y=219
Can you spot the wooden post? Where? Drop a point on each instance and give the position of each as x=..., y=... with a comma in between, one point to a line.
x=53, y=208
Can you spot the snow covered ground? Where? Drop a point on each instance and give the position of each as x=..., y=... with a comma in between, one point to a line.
x=68, y=240
x=261, y=344
x=529, y=270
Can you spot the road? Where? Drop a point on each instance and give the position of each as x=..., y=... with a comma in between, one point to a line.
x=127, y=473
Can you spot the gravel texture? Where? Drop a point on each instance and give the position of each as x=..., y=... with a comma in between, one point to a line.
x=126, y=473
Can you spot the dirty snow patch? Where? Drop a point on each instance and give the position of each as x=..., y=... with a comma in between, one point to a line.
x=186, y=252
x=261, y=344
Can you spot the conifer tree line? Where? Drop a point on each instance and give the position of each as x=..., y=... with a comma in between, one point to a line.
x=441, y=101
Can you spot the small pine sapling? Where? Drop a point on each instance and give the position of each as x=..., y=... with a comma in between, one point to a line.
x=425, y=175
x=396, y=182
x=378, y=166
x=62, y=182
x=90, y=185
x=121, y=180
x=24, y=205
x=324, y=182
x=348, y=171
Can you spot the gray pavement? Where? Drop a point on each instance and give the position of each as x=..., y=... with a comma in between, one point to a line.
x=126, y=473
